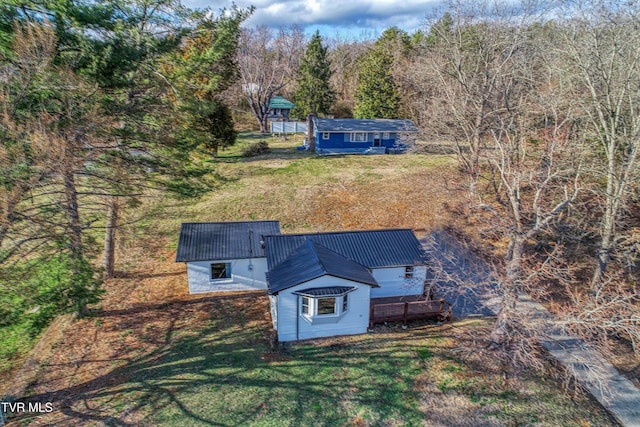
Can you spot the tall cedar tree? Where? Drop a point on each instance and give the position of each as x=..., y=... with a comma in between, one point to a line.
x=314, y=93
x=376, y=94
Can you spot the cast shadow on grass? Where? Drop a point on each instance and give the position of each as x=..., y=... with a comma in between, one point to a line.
x=228, y=373
x=274, y=153
x=139, y=275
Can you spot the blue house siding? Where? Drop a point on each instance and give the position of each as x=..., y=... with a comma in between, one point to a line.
x=340, y=131
x=340, y=143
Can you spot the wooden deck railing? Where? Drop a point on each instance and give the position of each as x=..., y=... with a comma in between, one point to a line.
x=410, y=310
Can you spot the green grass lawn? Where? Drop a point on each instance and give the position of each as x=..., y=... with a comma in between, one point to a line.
x=240, y=383
x=211, y=362
x=17, y=340
x=226, y=373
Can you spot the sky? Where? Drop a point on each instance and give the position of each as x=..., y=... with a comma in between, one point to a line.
x=346, y=19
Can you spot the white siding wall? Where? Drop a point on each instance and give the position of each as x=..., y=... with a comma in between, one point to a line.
x=242, y=278
x=392, y=282
x=354, y=321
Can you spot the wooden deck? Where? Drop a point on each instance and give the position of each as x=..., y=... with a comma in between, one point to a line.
x=393, y=309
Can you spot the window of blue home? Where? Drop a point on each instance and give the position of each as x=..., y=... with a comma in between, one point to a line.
x=220, y=270
x=408, y=272
x=325, y=135
x=358, y=137
x=386, y=135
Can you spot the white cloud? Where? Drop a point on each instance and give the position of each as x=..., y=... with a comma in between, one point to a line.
x=372, y=15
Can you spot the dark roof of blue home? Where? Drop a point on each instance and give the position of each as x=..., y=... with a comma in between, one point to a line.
x=370, y=248
x=364, y=125
x=208, y=241
x=311, y=260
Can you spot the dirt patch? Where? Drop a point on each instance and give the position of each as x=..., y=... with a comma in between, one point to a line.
x=366, y=205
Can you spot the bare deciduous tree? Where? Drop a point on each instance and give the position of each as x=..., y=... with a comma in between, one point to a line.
x=344, y=59
x=466, y=54
x=603, y=47
x=267, y=64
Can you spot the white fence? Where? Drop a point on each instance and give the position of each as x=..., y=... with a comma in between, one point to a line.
x=288, y=127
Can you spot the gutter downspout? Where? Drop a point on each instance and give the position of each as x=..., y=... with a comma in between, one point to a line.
x=297, y=318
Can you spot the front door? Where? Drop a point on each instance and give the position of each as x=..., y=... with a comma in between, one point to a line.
x=376, y=140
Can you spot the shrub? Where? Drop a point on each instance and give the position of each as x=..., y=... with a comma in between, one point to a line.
x=255, y=149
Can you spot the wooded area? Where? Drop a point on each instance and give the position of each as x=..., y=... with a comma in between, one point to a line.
x=106, y=103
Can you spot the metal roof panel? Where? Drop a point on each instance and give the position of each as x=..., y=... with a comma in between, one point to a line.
x=280, y=102
x=364, y=125
x=326, y=292
x=370, y=248
x=310, y=261
x=204, y=241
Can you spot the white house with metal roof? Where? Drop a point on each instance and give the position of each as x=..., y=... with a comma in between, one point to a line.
x=322, y=284
x=319, y=284
x=225, y=256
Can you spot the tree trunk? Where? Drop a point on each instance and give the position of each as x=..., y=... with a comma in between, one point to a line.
x=110, y=238
x=510, y=290
x=602, y=258
x=75, y=236
x=263, y=124
x=73, y=215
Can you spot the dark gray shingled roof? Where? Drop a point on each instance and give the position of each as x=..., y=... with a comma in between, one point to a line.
x=364, y=125
x=309, y=261
x=204, y=241
x=370, y=248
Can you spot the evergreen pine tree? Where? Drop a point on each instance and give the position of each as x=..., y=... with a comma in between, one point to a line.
x=376, y=94
x=314, y=94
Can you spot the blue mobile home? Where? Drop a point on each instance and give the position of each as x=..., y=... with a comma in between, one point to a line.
x=360, y=136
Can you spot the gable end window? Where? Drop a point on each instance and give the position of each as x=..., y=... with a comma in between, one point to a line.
x=359, y=137
x=408, y=272
x=325, y=135
x=220, y=270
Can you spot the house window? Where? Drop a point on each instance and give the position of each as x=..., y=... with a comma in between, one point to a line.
x=317, y=303
x=220, y=270
x=359, y=137
x=325, y=135
x=386, y=135
x=326, y=306
x=408, y=272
